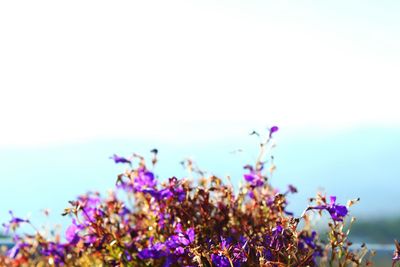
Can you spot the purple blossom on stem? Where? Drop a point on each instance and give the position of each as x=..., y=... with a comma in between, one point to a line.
x=273, y=130
x=156, y=251
x=13, y=223
x=337, y=212
x=174, y=189
x=308, y=240
x=218, y=259
x=144, y=179
x=117, y=159
x=13, y=252
x=71, y=234
x=278, y=238
x=181, y=238
x=56, y=251
x=175, y=244
x=254, y=179
x=239, y=253
x=291, y=189
x=90, y=206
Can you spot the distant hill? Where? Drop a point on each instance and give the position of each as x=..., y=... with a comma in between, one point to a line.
x=382, y=231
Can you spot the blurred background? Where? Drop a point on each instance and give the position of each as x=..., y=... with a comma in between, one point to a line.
x=80, y=81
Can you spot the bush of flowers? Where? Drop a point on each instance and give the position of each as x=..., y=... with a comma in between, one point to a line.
x=200, y=221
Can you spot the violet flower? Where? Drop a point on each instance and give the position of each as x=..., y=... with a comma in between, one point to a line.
x=13, y=223
x=156, y=251
x=337, y=212
x=278, y=239
x=220, y=260
x=90, y=205
x=173, y=190
x=273, y=130
x=71, y=234
x=175, y=244
x=13, y=252
x=117, y=159
x=181, y=238
x=144, y=179
x=254, y=179
x=56, y=251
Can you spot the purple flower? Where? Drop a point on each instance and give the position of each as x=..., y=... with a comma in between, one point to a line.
x=173, y=190
x=181, y=238
x=254, y=179
x=155, y=251
x=273, y=130
x=118, y=159
x=20, y=244
x=55, y=250
x=220, y=260
x=165, y=193
x=71, y=234
x=128, y=256
x=143, y=180
x=337, y=212
x=190, y=234
x=308, y=240
x=179, y=251
x=13, y=252
x=172, y=248
x=292, y=189
x=278, y=240
x=239, y=250
x=90, y=205
x=14, y=222
x=238, y=254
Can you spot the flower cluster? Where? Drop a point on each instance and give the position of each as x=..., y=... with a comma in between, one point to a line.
x=189, y=222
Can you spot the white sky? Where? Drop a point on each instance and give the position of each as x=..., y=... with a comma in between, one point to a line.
x=73, y=70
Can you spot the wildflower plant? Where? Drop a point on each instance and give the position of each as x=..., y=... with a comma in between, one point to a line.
x=191, y=222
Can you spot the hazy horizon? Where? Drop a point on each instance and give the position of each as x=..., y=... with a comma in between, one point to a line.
x=349, y=164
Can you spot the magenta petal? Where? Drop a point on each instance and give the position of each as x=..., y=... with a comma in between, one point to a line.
x=273, y=130
x=71, y=232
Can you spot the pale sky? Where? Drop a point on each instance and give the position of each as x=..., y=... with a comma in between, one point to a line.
x=77, y=70
x=81, y=80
